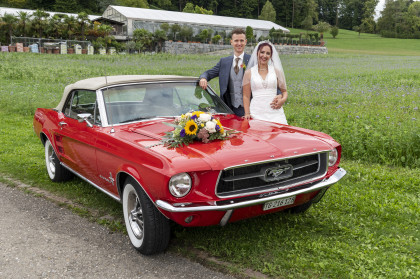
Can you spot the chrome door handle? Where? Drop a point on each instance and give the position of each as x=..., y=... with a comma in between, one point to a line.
x=62, y=123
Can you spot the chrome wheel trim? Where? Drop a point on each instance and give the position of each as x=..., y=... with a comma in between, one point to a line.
x=136, y=216
x=133, y=215
x=49, y=159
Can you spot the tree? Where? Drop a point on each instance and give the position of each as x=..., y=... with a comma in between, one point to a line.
x=400, y=19
x=133, y=3
x=186, y=33
x=307, y=23
x=39, y=21
x=23, y=20
x=268, y=12
x=9, y=21
x=216, y=39
x=368, y=25
x=55, y=27
x=413, y=17
x=159, y=36
x=322, y=27
x=175, y=28
x=201, y=10
x=15, y=3
x=66, y=6
x=70, y=23
x=162, y=4
x=189, y=8
x=249, y=33
x=143, y=39
x=334, y=31
x=204, y=35
x=357, y=29
x=83, y=20
x=165, y=27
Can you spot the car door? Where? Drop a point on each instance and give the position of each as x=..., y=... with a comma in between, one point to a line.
x=76, y=140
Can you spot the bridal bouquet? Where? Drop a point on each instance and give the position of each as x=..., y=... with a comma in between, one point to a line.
x=197, y=125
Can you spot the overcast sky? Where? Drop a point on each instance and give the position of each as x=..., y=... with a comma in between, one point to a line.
x=379, y=8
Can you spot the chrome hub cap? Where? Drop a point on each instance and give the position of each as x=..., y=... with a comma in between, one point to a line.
x=136, y=217
x=50, y=159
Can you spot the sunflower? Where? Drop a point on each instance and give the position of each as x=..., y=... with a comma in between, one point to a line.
x=198, y=113
x=191, y=128
x=220, y=126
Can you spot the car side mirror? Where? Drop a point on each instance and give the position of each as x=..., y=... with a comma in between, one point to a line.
x=85, y=117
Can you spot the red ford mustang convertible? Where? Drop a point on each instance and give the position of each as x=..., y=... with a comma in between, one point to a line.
x=110, y=131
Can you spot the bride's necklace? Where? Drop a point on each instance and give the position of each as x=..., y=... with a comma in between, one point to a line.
x=264, y=81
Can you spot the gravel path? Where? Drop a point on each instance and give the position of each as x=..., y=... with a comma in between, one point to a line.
x=39, y=239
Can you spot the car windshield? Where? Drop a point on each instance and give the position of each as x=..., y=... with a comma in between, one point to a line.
x=134, y=102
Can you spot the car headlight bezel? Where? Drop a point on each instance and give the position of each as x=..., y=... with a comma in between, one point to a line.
x=332, y=157
x=180, y=185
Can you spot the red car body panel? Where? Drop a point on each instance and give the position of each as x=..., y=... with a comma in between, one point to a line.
x=100, y=156
x=105, y=155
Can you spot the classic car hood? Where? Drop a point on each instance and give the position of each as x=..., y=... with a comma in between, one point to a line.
x=255, y=141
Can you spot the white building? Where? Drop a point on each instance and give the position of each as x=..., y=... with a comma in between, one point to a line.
x=149, y=19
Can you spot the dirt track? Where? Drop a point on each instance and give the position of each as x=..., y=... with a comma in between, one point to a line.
x=38, y=239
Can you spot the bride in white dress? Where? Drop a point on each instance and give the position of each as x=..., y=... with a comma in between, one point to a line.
x=262, y=81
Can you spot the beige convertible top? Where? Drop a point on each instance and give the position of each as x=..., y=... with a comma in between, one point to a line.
x=101, y=82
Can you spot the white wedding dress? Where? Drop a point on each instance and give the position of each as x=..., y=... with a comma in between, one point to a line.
x=263, y=93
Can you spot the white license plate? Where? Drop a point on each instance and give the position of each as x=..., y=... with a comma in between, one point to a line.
x=279, y=203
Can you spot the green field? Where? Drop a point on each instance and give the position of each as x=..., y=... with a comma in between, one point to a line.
x=350, y=42
x=366, y=226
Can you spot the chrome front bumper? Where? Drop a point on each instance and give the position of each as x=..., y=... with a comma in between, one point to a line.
x=191, y=208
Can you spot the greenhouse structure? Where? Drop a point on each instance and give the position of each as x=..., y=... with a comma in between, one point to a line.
x=149, y=19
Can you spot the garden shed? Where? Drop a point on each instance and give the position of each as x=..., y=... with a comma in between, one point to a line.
x=149, y=19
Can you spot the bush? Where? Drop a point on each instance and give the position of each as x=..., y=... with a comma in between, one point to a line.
x=216, y=39
x=334, y=31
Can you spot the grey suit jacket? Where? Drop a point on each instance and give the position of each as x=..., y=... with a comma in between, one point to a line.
x=222, y=70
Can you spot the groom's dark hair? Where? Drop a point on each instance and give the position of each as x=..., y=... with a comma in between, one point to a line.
x=238, y=31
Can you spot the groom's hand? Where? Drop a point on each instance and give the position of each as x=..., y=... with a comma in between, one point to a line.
x=203, y=83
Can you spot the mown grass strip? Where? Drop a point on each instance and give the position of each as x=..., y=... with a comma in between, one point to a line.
x=367, y=225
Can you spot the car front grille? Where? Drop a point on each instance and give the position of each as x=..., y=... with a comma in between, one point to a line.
x=278, y=174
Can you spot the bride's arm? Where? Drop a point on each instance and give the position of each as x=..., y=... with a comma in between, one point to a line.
x=280, y=99
x=246, y=91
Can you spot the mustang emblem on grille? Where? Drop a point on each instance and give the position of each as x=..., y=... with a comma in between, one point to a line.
x=278, y=173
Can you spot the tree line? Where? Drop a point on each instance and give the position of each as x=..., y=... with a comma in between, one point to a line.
x=400, y=18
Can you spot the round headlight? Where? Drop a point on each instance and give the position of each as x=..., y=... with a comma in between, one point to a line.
x=333, y=156
x=180, y=184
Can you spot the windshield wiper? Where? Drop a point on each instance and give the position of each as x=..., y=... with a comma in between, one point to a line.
x=137, y=119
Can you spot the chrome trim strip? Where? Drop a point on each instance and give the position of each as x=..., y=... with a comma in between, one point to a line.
x=101, y=106
x=304, y=165
x=248, y=176
x=90, y=182
x=274, y=160
x=325, y=183
x=256, y=191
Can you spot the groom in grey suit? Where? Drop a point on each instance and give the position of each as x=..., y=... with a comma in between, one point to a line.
x=230, y=71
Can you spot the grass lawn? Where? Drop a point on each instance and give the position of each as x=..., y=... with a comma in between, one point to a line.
x=351, y=42
x=366, y=226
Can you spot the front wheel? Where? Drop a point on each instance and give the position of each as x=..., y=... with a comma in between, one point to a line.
x=147, y=228
x=55, y=170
